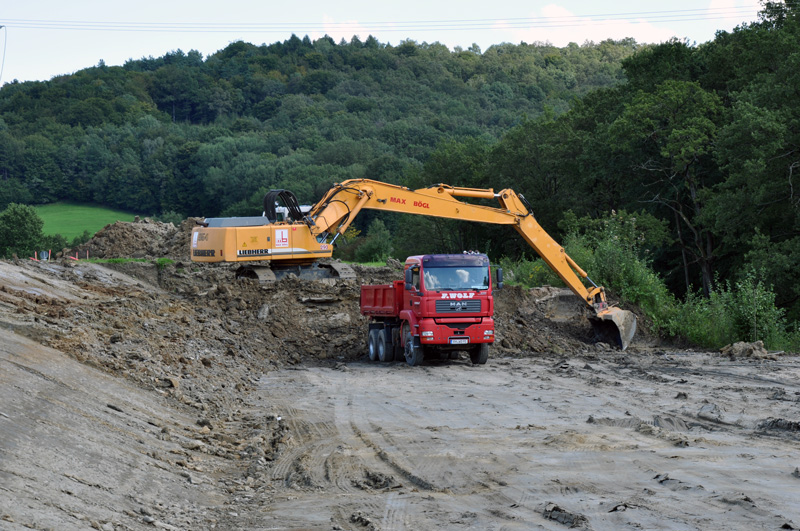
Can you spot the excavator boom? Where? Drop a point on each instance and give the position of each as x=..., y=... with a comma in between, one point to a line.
x=303, y=241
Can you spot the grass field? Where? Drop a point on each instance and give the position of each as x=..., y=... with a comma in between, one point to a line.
x=70, y=220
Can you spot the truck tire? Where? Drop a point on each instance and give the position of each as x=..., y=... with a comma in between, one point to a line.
x=479, y=354
x=385, y=350
x=413, y=352
x=372, y=344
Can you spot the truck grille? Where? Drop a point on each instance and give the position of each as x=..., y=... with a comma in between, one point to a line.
x=458, y=306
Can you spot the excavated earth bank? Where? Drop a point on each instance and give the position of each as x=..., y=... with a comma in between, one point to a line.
x=170, y=395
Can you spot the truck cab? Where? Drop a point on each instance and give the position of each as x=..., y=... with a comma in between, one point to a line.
x=444, y=304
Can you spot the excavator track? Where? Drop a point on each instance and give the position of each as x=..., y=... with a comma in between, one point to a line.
x=329, y=271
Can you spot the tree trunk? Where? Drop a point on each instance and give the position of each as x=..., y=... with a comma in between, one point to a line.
x=683, y=252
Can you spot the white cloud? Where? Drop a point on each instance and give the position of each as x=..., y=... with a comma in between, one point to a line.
x=559, y=26
x=338, y=30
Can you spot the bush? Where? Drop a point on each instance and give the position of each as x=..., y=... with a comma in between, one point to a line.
x=609, y=261
x=377, y=246
x=53, y=242
x=613, y=252
x=170, y=217
x=745, y=311
x=81, y=239
x=20, y=230
x=347, y=245
x=704, y=321
x=632, y=279
x=529, y=273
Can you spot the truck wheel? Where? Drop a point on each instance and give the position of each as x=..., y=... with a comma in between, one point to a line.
x=385, y=351
x=479, y=355
x=413, y=352
x=372, y=344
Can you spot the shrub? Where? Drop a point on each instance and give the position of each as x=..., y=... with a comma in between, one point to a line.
x=20, y=230
x=377, y=246
x=81, y=239
x=609, y=261
x=529, y=273
x=170, y=217
x=614, y=254
x=744, y=311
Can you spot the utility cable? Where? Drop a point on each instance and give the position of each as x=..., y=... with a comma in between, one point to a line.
x=408, y=25
x=5, y=46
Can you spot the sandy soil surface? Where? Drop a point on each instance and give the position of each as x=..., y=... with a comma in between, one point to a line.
x=139, y=396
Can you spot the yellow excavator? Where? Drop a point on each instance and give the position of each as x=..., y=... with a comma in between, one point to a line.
x=297, y=243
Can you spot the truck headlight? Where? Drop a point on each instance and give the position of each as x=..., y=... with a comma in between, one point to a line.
x=488, y=332
x=428, y=333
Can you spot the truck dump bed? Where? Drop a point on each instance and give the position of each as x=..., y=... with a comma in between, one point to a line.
x=382, y=300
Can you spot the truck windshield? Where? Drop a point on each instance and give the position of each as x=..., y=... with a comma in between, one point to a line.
x=456, y=278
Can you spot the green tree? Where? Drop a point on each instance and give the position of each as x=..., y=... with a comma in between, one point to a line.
x=20, y=230
x=377, y=246
x=669, y=134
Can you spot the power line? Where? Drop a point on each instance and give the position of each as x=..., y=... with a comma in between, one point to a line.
x=5, y=46
x=684, y=15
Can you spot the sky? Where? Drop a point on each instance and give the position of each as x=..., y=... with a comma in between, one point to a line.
x=41, y=39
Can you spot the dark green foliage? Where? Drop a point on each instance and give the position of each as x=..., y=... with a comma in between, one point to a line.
x=377, y=245
x=20, y=231
x=170, y=217
x=80, y=239
x=54, y=243
x=745, y=310
x=199, y=137
x=21, y=234
x=615, y=251
x=705, y=139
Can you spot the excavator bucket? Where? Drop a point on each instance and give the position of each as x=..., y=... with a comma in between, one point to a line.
x=616, y=326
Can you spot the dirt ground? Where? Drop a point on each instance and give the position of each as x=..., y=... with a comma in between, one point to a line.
x=171, y=396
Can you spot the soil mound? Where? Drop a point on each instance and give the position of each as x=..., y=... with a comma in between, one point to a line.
x=194, y=330
x=141, y=239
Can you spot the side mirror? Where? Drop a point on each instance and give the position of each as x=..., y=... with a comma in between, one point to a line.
x=409, y=279
x=499, y=274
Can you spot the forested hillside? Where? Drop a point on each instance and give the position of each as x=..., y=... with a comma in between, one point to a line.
x=703, y=141
x=208, y=136
x=683, y=156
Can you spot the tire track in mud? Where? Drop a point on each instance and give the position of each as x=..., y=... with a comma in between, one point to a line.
x=671, y=480
x=410, y=446
x=325, y=454
x=513, y=447
x=430, y=466
x=395, y=510
x=317, y=456
x=351, y=408
x=389, y=460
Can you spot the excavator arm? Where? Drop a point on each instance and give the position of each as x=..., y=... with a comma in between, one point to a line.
x=333, y=214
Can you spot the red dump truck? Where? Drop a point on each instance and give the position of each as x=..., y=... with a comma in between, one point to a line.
x=443, y=305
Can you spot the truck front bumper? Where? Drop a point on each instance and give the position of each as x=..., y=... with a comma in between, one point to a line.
x=455, y=334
